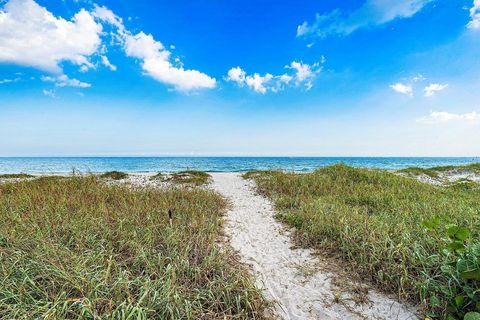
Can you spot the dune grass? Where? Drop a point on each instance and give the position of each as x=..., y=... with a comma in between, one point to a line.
x=435, y=171
x=413, y=239
x=418, y=171
x=159, y=176
x=115, y=175
x=76, y=248
x=471, y=167
x=191, y=177
x=15, y=176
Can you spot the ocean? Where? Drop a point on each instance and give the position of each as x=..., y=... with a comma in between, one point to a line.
x=213, y=164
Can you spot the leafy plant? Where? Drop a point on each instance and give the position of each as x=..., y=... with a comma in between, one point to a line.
x=460, y=266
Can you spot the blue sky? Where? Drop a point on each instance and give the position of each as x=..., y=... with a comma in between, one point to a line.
x=349, y=78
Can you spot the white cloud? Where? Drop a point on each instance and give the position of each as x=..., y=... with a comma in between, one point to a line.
x=108, y=64
x=49, y=93
x=155, y=57
x=402, y=88
x=106, y=15
x=443, y=117
x=237, y=75
x=432, y=88
x=5, y=81
x=156, y=63
x=258, y=83
x=418, y=77
x=474, y=22
x=64, y=81
x=32, y=36
x=303, y=75
x=371, y=13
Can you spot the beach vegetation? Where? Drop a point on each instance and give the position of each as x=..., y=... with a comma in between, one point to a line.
x=77, y=248
x=159, y=176
x=16, y=176
x=416, y=240
x=114, y=175
x=190, y=177
x=435, y=171
x=416, y=171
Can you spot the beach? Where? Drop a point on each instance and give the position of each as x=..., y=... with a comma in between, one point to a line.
x=297, y=281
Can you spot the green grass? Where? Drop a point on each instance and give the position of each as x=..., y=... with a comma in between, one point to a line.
x=434, y=171
x=391, y=229
x=76, y=248
x=115, y=175
x=418, y=171
x=15, y=176
x=190, y=177
x=471, y=167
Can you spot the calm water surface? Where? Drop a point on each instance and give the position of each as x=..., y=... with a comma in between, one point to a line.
x=211, y=164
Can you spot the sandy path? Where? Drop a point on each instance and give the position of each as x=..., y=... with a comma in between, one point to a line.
x=291, y=277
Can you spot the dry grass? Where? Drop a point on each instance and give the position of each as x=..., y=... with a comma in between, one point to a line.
x=76, y=248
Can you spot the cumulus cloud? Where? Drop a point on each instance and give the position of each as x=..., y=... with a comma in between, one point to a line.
x=443, y=117
x=432, y=88
x=302, y=75
x=474, y=22
x=32, y=36
x=402, y=88
x=64, y=81
x=371, y=13
x=156, y=63
x=155, y=58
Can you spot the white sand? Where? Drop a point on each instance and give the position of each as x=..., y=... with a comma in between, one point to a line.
x=294, y=278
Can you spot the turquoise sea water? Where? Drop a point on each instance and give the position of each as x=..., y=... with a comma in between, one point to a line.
x=211, y=164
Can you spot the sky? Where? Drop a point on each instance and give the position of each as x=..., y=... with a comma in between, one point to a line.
x=240, y=78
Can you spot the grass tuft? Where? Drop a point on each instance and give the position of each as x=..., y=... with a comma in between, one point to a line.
x=115, y=175
x=192, y=177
